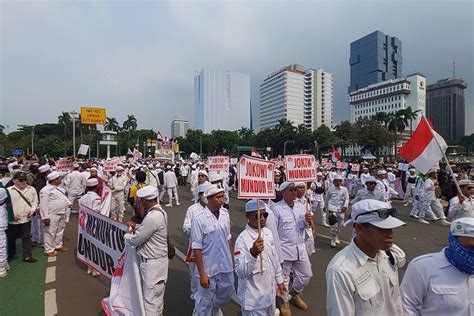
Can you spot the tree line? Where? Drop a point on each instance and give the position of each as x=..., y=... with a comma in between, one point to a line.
x=371, y=134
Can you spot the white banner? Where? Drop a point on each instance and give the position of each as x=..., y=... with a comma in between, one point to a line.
x=100, y=241
x=255, y=178
x=218, y=163
x=300, y=168
x=106, y=201
x=125, y=298
x=83, y=149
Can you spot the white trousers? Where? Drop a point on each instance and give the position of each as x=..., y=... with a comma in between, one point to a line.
x=219, y=292
x=37, y=229
x=319, y=205
x=172, y=191
x=54, y=232
x=154, y=273
x=433, y=206
x=302, y=274
x=410, y=191
x=3, y=248
x=336, y=228
x=194, y=280
x=117, y=207
x=269, y=311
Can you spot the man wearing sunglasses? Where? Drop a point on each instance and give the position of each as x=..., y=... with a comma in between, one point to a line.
x=362, y=279
x=24, y=200
x=369, y=191
x=257, y=285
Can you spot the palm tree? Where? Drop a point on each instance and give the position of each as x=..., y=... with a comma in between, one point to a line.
x=2, y=129
x=111, y=124
x=398, y=123
x=382, y=117
x=411, y=115
x=64, y=119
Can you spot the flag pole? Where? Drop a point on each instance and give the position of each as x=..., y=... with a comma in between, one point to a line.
x=445, y=158
x=259, y=234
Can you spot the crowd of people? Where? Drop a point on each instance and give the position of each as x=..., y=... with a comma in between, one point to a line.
x=270, y=257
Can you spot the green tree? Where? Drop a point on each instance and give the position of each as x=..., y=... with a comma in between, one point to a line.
x=382, y=117
x=371, y=135
x=410, y=116
x=324, y=137
x=112, y=125
x=343, y=135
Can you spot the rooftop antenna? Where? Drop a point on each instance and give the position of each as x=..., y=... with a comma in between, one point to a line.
x=454, y=69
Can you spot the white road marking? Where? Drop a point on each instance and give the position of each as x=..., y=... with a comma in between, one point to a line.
x=51, y=259
x=329, y=237
x=50, y=306
x=50, y=274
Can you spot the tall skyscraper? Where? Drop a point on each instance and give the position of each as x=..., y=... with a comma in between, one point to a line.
x=445, y=107
x=389, y=96
x=298, y=95
x=374, y=58
x=221, y=100
x=179, y=127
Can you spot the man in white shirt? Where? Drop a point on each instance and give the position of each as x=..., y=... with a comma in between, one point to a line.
x=410, y=186
x=291, y=221
x=318, y=189
x=192, y=211
x=24, y=200
x=462, y=205
x=258, y=277
x=117, y=185
x=53, y=208
x=75, y=185
x=337, y=202
x=171, y=184
x=212, y=250
x=4, y=267
x=150, y=239
x=430, y=200
x=443, y=283
x=362, y=279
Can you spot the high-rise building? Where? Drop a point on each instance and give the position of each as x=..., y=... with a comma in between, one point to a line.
x=318, y=98
x=374, y=58
x=298, y=95
x=445, y=107
x=221, y=100
x=179, y=127
x=390, y=96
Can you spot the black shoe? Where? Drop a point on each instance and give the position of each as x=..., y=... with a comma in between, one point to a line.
x=30, y=259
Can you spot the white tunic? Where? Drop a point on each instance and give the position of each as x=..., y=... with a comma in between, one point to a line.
x=170, y=179
x=53, y=201
x=91, y=200
x=75, y=183
x=360, y=285
x=192, y=211
x=337, y=198
x=458, y=210
x=256, y=290
x=432, y=286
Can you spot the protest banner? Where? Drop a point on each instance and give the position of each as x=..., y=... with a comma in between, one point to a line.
x=355, y=167
x=100, y=242
x=403, y=166
x=328, y=165
x=218, y=163
x=111, y=164
x=106, y=199
x=278, y=162
x=125, y=297
x=341, y=165
x=83, y=149
x=63, y=165
x=255, y=178
x=300, y=168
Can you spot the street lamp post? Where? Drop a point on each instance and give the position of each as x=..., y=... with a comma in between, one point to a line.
x=284, y=145
x=73, y=113
x=317, y=148
x=33, y=140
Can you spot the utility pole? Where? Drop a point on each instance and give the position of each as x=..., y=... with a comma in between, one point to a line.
x=74, y=133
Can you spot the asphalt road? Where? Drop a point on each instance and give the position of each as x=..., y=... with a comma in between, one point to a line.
x=79, y=294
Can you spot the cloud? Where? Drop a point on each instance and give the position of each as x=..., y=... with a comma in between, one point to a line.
x=140, y=57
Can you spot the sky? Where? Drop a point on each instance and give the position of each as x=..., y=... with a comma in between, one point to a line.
x=140, y=57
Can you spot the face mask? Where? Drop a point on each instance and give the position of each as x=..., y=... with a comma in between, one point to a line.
x=461, y=257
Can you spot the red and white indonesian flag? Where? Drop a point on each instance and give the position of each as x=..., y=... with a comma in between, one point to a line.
x=425, y=148
x=336, y=156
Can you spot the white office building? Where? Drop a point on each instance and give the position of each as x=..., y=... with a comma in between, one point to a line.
x=221, y=100
x=390, y=96
x=179, y=127
x=298, y=95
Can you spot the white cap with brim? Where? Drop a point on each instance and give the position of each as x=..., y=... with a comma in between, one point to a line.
x=148, y=193
x=215, y=177
x=92, y=182
x=203, y=187
x=370, y=179
x=213, y=190
x=465, y=182
x=44, y=168
x=75, y=166
x=53, y=175
x=300, y=184
x=337, y=177
x=381, y=172
x=119, y=168
x=463, y=227
x=204, y=172
x=251, y=206
x=285, y=185
x=368, y=205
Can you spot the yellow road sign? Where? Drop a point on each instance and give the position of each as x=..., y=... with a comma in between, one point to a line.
x=93, y=116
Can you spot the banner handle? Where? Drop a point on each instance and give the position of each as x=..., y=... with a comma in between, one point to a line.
x=259, y=234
